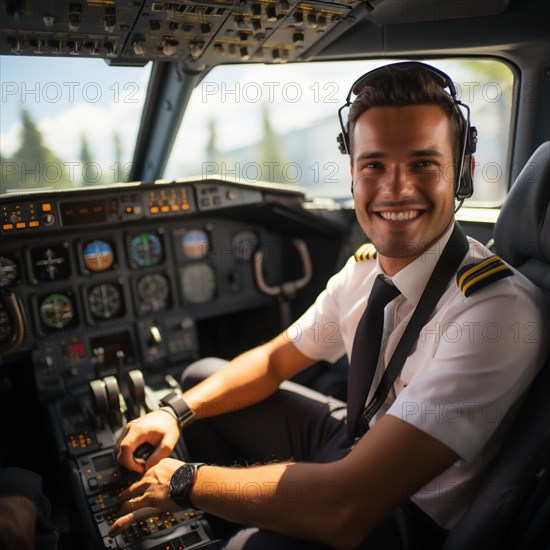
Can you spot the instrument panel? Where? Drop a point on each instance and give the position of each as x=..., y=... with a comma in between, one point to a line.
x=124, y=285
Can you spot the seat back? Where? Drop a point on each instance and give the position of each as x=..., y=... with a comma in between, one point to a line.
x=512, y=506
x=522, y=231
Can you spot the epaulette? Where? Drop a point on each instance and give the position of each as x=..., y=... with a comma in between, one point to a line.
x=365, y=253
x=473, y=277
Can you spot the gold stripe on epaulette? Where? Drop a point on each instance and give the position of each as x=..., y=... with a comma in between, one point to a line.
x=490, y=273
x=476, y=268
x=365, y=253
x=474, y=277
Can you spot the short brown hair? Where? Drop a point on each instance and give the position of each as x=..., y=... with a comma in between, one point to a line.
x=398, y=86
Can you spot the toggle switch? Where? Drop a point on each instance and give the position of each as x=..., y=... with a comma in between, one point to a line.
x=155, y=335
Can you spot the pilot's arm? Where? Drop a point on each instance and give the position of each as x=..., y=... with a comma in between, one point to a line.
x=249, y=378
x=337, y=503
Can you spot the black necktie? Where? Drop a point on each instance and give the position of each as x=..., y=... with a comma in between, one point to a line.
x=365, y=351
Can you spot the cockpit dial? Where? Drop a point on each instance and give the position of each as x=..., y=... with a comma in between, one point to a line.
x=98, y=255
x=198, y=281
x=9, y=272
x=153, y=291
x=244, y=244
x=57, y=310
x=145, y=250
x=105, y=301
x=50, y=263
x=195, y=244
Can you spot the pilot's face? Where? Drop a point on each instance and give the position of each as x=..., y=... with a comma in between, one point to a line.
x=403, y=180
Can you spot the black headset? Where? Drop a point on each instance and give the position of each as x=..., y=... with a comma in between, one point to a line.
x=464, y=186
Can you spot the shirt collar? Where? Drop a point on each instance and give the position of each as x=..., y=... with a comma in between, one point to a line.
x=413, y=278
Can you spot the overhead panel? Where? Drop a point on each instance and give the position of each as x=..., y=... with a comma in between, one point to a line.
x=197, y=33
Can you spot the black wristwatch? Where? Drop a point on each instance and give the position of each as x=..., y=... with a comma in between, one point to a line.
x=180, y=408
x=182, y=482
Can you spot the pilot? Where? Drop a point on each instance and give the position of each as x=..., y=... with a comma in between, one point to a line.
x=290, y=468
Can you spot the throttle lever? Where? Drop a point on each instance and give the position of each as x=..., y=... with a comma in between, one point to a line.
x=143, y=452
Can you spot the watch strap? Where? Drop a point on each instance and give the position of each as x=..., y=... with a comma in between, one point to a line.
x=178, y=405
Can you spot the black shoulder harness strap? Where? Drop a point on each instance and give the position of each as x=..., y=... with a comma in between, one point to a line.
x=447, y=265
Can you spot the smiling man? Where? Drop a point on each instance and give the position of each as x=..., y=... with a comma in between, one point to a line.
x=403, y=469
x=403, y=189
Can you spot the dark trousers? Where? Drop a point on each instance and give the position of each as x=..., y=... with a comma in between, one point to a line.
x=296, y=423
x=16, y=483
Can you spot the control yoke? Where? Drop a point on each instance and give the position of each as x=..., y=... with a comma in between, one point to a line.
x=285, y=291
x=14, y=309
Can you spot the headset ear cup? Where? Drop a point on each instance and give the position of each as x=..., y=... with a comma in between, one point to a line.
x=471, y=143
x=343, y=142
x=340, y=139
x=466, y=181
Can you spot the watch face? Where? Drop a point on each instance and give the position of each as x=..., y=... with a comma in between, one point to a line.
x=180, y=484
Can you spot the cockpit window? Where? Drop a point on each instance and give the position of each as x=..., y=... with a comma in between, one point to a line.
x=67, y=123
x=279, y=124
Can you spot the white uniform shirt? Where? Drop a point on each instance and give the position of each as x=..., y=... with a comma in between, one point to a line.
x=472, y=361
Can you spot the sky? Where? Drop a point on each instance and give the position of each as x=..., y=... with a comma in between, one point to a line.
x=68, y=98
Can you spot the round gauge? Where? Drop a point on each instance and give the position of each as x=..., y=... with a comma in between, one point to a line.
x=6, y=328
x=145, y=250
x=57, y=311
x=153, y=293
x=9, y=273
x=105, y=301
x=98, y=255
x=244, y=244
x=50, y=263
x=198, y=283
x=195, y=244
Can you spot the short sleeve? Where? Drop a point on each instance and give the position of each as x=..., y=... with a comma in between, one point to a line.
x=317, y=333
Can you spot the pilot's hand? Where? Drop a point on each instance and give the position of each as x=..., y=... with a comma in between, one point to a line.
x=147, y=496
x=158, y=428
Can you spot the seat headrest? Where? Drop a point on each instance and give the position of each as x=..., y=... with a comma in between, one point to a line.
x=522, y=230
